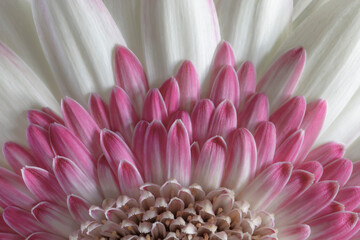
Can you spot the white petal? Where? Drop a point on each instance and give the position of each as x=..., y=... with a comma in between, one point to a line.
x=331, y=38
x=20, y=90
x=18, y=32
x=303, y=8
x=254, y=28
x=78, y=38
x=174, y=31
x=353, y=151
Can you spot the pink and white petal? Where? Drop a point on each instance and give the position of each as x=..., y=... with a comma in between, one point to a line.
x=240, y=164
x=44, y=236
x=290, y=148
x=79, y=121
x=99, y=111
x=200, y=118
x=333, y=225
x=247, y=81
x=129, y=179
x=138, y=140
x=186, y=120
x=178, y=154
x=66, y=32
x=189, y=85
x=349, y=197
x=196, y=40
x=223, y=120
x=40, y=118
x=302, y=208
x=21, y=221
x=53, y=114
x=294, y=232
x=171, y=95
x=18, y=156
x=74, y=181
x=195, y=153
x=154, y=106
x=255, y=110
x=267, y=185
x=55, y=218
x=280, y=80
x=265, y=138
x=10, y=236
x=209, y=169
x=78, y=208
x=354, y=179
x=288, y=117
x=107, y=179
x=313, y=167
x=339, y=170
x=326, y=153
x=43, y=185
x=130, y=76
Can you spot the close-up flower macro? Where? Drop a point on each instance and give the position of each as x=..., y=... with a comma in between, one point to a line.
x=180, y=119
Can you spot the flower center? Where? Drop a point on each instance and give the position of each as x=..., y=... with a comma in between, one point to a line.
x=174, y=212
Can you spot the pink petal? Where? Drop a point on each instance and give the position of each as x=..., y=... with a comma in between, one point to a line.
x=39, y=143
x=99, y=111
x=301, y=209
x=349, y=196
x=265, y=138
x=107, y=179
x=155, y=153
x=123, y=117
x=186, y=120
x=326, y=153
x=339, y=170
x=313, y=167
x=18, y=156
x=289, y=149
x=332, y=225
x=267, y=185
x=154, y=106
x=138, y=140
x=78, y=208
x=195, y=153
x=171, y=95
x=247, y=81
x=240, y=165
x=3, y=226
x=73, y=180
x=288, y=118
x=64, y=143
x=178, y=155
x=223, y=120
x=21, y=221
x=352, y=234
x=43, y=236
x=53, y=115
x=333, y=207
x=282, y=77
x=294, y=232
x=43, y=185
x=312, y=123
x=209, y=170
x=200, y=118
x=10, y=236
x=55, y=218
x=115, y=149
x=226, y=87
x=255, y=111
x=354, y=179
x=130, y=76
x=129, y=179
x=189, y=85
x=40, y=118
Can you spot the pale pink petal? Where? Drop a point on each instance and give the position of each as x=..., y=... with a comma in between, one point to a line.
x=99, y=111
x=195, y=153
x=294, y=232
x=171, y=95
x=154, y=106
x=178, y=155
x=290, y=148
x=339, y=170
x=40, y=118
x=21, y=221
x=209, y=170
x=288, y=118
x=78, y=208
x=267, y=185
x=265, y=138
x=43, y=185
x=129, y=179
x=10, y=236
x=247, y=81
x=349, y=196
x=333, y=225
x=55, y=218
x=74, y=181
x=326, y=153
x=255, y=110
x=18, y=156
x=282, y=77
x=223, y=120
x=43, y=236
x=226, y=86
x=123, y=117
x=155, y=153
x=240, y=165
x=107, y=179
x=138, y=140
x=313, y=167
x=302, y=208
x=130, y=76
x=189, y=85
x=200, y=118
x=354, y=179
x=186, y=120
